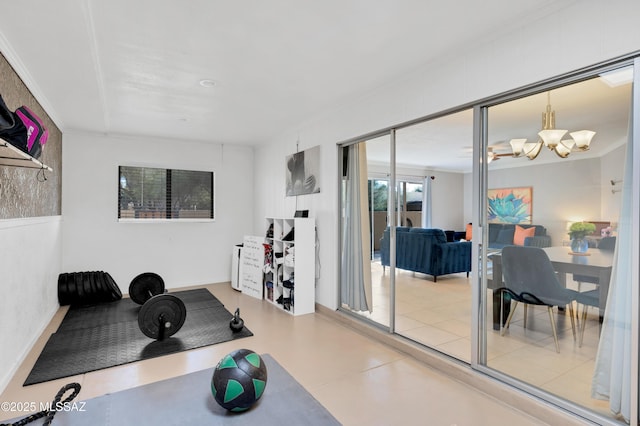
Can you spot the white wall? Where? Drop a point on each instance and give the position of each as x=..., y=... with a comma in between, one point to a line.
x=30, y=263
x=562, y=192
x=468, y=197
x=611, y=166
x=183, y=254
x=447, y=197
x=533, y=51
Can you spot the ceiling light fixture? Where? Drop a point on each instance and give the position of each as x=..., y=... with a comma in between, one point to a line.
x=552, y=138
x=618, y=77
x=492, y=155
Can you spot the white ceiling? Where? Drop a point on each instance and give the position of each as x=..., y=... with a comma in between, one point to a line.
x=134, y=66
x=445, y=143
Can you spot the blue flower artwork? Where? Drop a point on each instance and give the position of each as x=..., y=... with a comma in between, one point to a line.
x=510, y=205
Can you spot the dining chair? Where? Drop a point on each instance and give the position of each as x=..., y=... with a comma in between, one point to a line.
x=606, y=244
x=586, y=299
x=529, y=278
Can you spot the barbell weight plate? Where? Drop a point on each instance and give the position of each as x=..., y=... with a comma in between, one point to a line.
x=167, y=306
x=95, y=294
x=78, y=296
x=71, y=288
x=114, y=290
x=79, y=288
x=91, y=290
x=63, y=292
x=101, y=286
x=145, y=286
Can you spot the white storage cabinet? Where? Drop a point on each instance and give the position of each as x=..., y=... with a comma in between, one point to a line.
x=290, y=282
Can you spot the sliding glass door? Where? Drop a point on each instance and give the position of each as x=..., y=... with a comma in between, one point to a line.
x=460, y=232
x=432, y=284
x=558, y=318
x=365, y=191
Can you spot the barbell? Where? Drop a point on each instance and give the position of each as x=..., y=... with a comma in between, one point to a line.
x=162, y=314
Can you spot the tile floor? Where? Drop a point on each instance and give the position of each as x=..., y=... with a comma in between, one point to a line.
x=358, y=379
x=439, y=315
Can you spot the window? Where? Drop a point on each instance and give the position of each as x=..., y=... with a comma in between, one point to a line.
x=378, y=190
x=153, y=193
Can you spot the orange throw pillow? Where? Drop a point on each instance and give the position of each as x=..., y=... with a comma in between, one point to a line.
x=522, y=233
x=469, y=232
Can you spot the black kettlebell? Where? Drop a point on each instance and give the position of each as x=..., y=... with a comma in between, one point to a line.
x=236, y=323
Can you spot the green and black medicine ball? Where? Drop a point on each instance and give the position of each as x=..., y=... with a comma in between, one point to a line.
x=239, y=380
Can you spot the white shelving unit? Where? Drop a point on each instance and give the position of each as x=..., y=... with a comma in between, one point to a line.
x=293, y=265
x=12, y=156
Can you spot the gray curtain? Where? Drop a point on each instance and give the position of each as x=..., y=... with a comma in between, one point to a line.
x=426, y=202
x=612, y=374
x=356, y=240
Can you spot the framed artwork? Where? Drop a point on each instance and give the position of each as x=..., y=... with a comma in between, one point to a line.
x=510, y=205
x=302, y=172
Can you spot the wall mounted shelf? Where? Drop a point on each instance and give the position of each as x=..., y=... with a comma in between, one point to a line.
x=12, y=156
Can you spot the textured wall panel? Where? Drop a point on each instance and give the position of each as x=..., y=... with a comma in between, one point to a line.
x=25, y=192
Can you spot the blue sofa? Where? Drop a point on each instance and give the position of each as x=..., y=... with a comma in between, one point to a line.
x=426, y=251
x=501, y=235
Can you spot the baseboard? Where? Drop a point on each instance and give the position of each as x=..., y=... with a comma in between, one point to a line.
x=460, y=371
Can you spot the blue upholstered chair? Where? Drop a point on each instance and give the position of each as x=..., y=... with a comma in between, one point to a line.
x=591, y=297
x=529, y=278
x=586, y=299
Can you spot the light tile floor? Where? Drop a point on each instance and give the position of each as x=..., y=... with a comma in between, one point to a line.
x=438, y=315
x=358, y=379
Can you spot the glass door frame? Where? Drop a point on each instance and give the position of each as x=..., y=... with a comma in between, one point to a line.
x=391, y=199
x=480, y=227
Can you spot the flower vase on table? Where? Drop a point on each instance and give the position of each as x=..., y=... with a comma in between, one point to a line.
x=577, y=232
x=579, y=245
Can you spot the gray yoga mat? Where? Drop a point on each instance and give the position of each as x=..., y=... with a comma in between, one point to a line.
x=187, y=400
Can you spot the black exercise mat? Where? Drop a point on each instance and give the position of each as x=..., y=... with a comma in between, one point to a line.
x=126, y=310
x=102, y=336
x=187, y=400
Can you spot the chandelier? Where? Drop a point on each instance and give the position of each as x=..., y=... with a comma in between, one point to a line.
x=552, y=138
